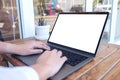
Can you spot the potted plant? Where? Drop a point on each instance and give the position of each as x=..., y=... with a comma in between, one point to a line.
x=42, y=28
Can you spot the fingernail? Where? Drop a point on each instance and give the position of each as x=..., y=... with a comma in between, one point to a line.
x=41, y=50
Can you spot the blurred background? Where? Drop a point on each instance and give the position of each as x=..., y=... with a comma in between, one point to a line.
x=19, y=17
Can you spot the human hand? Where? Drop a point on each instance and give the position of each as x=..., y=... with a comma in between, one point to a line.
x=49, y=63
x=31, y=47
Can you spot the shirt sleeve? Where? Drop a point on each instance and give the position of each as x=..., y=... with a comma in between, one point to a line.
x=18, y=73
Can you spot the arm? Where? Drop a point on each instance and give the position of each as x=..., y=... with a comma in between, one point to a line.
x=42, y=69
x=31, y=47
x=47, y=65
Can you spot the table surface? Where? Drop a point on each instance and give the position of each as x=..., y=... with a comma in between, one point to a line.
x=105, y=66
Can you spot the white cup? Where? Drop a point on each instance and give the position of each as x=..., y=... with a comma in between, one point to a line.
x=42, y=32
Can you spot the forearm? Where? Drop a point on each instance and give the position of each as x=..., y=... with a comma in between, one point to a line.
x=7, y=47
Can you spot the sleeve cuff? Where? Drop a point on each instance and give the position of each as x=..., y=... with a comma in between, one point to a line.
x=29, y=72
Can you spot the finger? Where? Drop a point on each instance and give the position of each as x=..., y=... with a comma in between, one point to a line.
x=45, y=46
x=42, y=46
x=60, y=53
x=54, y=51
x=64, y=58
x=36, y=51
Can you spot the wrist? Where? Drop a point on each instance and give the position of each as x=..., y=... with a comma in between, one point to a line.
x=12, y=48
x=42, y=71
x=7, y=47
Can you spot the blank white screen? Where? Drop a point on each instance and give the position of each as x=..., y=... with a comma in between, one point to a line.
x=79, y=31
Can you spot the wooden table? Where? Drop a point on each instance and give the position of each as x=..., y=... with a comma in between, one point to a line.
x=105, y=66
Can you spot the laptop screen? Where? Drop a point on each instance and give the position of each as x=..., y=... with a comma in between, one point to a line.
x=80, y=31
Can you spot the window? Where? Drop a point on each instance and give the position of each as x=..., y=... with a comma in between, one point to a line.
x=104, y=6
x=48, y=9
x=111, y=32
x=9, y=28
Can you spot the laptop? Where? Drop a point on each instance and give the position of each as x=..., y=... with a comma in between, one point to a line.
x=78, y=35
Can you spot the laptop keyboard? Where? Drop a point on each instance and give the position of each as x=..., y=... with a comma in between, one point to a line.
x=73, y=59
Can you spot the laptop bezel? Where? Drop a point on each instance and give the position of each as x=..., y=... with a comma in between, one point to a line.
x=88, y=53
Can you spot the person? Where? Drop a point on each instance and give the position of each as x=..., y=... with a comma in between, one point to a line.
x=47, y=65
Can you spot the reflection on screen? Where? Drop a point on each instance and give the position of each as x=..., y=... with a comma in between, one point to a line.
x=79, y=31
